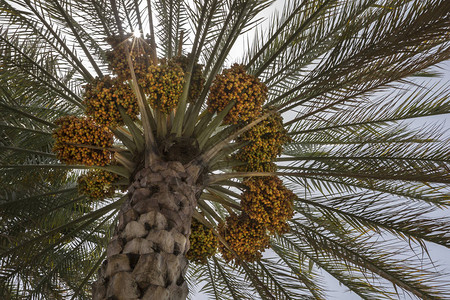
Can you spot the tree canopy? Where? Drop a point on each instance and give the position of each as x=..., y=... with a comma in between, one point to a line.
x=307, y=144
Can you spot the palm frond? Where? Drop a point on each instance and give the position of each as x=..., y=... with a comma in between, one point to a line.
x=375, y=260
x=172, y=17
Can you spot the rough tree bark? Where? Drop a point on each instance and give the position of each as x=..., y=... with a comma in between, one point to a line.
x=146, y=257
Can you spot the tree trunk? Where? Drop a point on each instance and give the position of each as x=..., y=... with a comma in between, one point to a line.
x=146, y=258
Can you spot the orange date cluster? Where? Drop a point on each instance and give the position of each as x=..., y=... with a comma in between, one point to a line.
x=247, y=91
x=268, y=202
x=96, y=184
x=246, y=237
x=139, y=54
x=265, y=141
x=163, y=85
x=197, y=79
x=104, y=96
x=81, y=141
x=203, y=243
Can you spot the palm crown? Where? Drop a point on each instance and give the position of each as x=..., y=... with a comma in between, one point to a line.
x=133, y=148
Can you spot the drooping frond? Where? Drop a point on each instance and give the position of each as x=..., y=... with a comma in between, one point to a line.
x=366, y=52
x=327, y=246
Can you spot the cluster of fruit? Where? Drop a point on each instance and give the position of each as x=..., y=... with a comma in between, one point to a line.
x=244, y=236
x=96, y=184
x=264, y=144
x=266, y=205
x=139, y=53
x=268, y=202
x=203, y=243
x=104, y=96
x=197, y=79
x=163, y=86
x=162, y=83
x=81, y=141
x=236, y=85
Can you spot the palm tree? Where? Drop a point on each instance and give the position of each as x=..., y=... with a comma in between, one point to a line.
x=138, y=160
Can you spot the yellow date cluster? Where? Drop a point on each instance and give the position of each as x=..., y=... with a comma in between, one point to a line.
x=197, y=79
x=81, y=141
x=268, y=202
x=247, y=238
x=247, y=91
x=139, y=53
x=96, y=184
x=163, y=86
x=265, y=141
x=104, y=96
x=203, y=243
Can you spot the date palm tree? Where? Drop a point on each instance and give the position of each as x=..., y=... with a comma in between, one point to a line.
x=141, y=157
